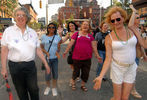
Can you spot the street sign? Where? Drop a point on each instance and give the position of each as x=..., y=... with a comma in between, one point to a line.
x=55, y=1
x=6, y=21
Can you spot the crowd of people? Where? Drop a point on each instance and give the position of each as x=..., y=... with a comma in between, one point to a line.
x=118, y=43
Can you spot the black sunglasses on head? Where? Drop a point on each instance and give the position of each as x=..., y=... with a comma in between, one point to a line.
x=51, y=27
x=117, y=19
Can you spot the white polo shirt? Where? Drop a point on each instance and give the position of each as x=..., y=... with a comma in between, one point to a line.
x=22, y=47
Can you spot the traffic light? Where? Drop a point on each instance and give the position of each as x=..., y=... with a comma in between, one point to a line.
x=40, y=4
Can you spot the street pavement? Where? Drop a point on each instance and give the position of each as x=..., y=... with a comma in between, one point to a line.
x=64, y=90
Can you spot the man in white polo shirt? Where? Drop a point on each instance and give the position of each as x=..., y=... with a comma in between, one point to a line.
x=19, y=45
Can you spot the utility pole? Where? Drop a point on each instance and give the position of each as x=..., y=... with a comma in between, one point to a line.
x=100, y=12
x=47, y=12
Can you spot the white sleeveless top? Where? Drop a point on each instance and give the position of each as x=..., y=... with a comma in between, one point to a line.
x=124, y=52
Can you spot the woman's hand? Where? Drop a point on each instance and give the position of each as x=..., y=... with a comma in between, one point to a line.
x=64, y=54
x=58, y=55
x=100, y=60
x=47, y=68
x=4, y=73
x=97, y=81
x=48, y=55
x=133, y=9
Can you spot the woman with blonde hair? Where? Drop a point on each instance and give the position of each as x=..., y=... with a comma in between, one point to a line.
x=120, y=55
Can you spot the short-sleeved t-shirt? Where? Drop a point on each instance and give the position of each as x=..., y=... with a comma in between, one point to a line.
x=100, y=38
x=46, y=41
x=22, y=46
x=83, y=46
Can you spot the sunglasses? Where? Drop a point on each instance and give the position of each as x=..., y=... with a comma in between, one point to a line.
x=137, y=17
x=117, y=19
x=51, y=27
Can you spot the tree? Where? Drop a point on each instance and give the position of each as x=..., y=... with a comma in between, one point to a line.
x=7, y=7
x=34, y=25
x=123, y=3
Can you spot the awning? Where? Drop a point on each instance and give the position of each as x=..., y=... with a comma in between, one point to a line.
x=140, y=4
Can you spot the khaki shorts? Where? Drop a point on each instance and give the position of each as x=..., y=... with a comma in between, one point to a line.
x=120, y=74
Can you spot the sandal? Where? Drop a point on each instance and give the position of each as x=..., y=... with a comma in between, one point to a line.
x=84, y=88
x=73, y=86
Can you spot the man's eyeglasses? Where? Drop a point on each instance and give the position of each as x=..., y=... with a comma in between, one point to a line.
x=117, y=19
x=20, y=15
x=51, y=27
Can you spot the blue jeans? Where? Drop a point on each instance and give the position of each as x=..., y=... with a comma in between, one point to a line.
x=53, y=63
x=100, y=65
x=137, y=61
x=24, y=77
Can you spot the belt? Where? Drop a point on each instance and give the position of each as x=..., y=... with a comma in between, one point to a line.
x=122, y=64
x=21, y=62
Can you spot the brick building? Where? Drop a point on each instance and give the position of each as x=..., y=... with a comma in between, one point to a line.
x=81, y=9
x=32, y=12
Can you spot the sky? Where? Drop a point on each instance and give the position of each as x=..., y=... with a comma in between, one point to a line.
x=53, y=8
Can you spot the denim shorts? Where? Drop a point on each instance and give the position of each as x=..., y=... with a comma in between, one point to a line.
x=53, y=63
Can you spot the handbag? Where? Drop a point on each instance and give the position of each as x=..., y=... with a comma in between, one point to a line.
x=43, y=67
x=69, y=58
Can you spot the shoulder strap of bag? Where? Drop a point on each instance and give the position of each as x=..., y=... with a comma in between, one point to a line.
x=50, y=46
x=51, y=43
x=76, y=38
x=75, y=42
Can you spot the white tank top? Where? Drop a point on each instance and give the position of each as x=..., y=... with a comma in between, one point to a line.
x=124, y=52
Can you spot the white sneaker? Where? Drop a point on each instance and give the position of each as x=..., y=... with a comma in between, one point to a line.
x=47, y=90
x=54, y=91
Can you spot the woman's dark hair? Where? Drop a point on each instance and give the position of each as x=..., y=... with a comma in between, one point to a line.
x=76, y=26
x=55, y=32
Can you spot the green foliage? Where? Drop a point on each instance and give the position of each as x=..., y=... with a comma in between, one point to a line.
x=56, y=23
x=34, y=25
x=71, y=16
x=123, y=3
x=114, y=2
x=8, y=6
x=1, y=28
x=145, y=24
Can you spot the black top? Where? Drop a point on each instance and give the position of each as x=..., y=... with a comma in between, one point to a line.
x=100, y=37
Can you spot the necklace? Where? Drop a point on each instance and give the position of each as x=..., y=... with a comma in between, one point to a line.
x=123, y=42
